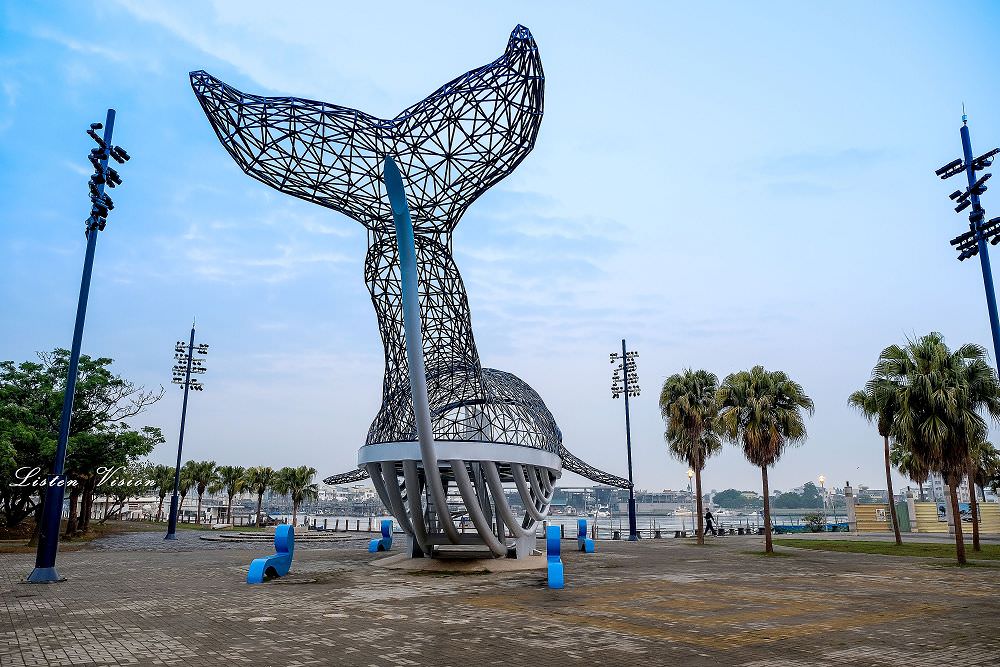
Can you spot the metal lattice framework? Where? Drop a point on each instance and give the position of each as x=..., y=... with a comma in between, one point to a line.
x=450, y=148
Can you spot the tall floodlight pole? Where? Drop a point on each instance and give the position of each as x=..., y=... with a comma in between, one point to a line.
x=624, y=373
x=100, y=205
x=185, y=365
x=973, y=242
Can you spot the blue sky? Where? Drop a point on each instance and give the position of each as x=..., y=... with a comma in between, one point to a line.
x=723, y=185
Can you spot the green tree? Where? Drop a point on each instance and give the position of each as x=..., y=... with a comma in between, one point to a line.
x=688, y=406
x=204, y=475
x=943, y=393
x=988, y=468
x=297, y=484
x=163, y=483
x=93, y=455
x=879, y=403
x=187, y=482
x=120, y=483
x=735, y=500
x=31, y=398
x=989, y=471
x=761, y=411
x=258, y=480
x=910, y=465
x=981, y=452
x=811, y=496
x=230, y=480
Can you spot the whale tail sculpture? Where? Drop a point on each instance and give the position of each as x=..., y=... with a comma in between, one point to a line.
x=409, y=180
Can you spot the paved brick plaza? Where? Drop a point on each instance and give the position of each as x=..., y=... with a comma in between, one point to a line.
x=132, y=600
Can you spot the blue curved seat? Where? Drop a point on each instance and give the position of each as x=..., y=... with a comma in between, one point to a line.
x=262, y=569
x=383, y=543
x=552, y=556
x=583, y=542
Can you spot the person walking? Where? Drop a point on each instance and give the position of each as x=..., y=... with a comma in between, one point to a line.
x=709, y=519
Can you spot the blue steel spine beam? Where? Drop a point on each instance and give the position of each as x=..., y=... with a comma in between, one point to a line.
x=48, y=538
x=984, y=254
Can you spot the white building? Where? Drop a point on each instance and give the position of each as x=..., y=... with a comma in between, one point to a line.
x=935, y=488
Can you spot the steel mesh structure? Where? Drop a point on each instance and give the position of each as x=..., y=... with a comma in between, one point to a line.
x=450, y=148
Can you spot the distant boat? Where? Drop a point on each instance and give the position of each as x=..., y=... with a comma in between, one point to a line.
x=683, y=511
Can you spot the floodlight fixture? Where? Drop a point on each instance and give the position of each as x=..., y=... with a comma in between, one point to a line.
x=984, y=160
x=950, y=169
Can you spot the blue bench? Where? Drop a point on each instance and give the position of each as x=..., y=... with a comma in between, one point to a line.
x=383, y=543
x=262, y=569
x=555, y=564
x=584, y=543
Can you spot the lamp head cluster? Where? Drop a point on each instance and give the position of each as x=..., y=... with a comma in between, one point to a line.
x=103, y=176
x=185, y=365
x=628, y=385
x=967, y=244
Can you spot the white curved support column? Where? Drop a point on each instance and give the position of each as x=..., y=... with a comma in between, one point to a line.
x=391, y=483
x=500, y=501
x=416, y=507
x=414, y=342
x=479, y=520
x=527, y=496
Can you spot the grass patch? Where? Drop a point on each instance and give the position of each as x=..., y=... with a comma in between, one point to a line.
x=992, y=565
x=764, y=554
x=914, y=549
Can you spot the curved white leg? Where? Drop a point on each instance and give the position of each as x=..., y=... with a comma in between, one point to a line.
x=416, y=506
x=475, y=511
x=527, y=498
x=395, y=497
x=500, y=500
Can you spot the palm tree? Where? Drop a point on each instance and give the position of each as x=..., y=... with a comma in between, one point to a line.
x=230, y=480
x=942, y=395
x=258, y=480
x=298, y=485
x=879, y=402
x=988, y=473
x=186, y=483
x=761, y=410
x=688, y=406
x=982, y=452
x=910, y=465
x=204, y=475
x=163, y=482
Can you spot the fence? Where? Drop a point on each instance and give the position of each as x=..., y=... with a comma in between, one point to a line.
x=923, y=517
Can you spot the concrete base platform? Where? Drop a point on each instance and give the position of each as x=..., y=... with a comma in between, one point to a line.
x=460, y=565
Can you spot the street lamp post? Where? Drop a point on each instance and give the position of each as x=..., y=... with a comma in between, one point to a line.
x=100, y=205
x=185, y=366
x=624, y=373
x=973, y=242
x=822, y=490
x=694, y=501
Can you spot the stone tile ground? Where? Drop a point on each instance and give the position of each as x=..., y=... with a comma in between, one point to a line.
x=134, y=600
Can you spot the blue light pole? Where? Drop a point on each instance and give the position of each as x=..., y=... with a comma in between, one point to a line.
x=185, y=366
x=101, y=204
x=973, y=242
x=624, y=372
